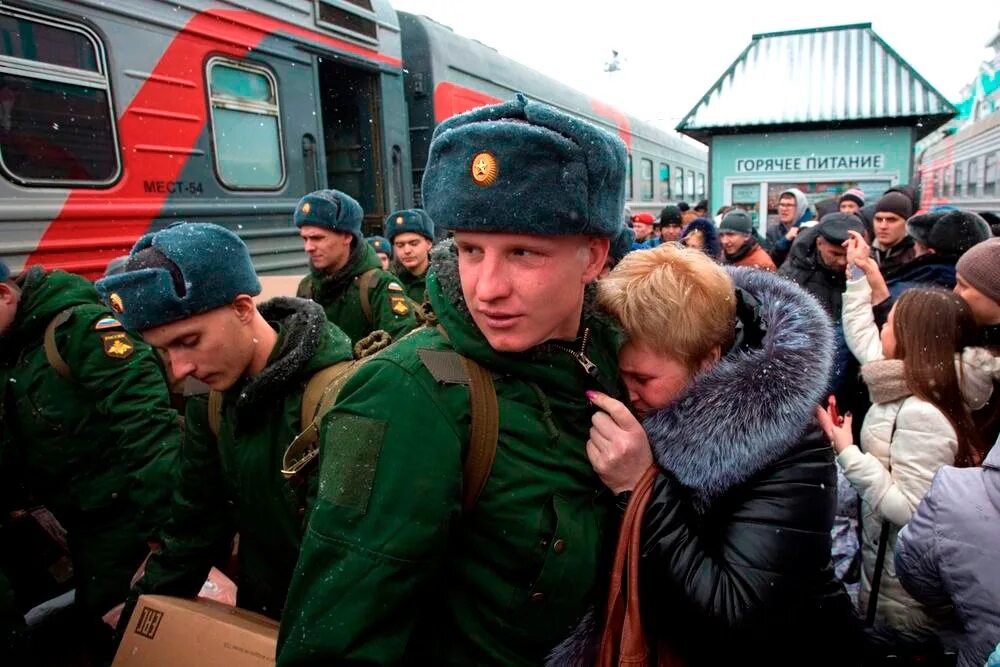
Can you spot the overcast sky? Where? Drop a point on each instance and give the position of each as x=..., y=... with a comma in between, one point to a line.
x=674, y=51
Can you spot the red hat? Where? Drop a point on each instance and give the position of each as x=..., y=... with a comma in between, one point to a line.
x=644, y=217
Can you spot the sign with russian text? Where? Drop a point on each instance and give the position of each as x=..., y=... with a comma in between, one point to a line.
x=800, y=163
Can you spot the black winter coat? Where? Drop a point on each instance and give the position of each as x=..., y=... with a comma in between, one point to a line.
x=736, y=543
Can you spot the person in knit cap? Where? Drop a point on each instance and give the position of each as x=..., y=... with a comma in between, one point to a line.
x=978, y=282
x=670, y=224
x=87, y=430
x=411, y=233
x=851, y=201
x=892, y=246
x=383, y=249
x=534, y=197
x=345, y=275
x=189, y=290
x=740, y=245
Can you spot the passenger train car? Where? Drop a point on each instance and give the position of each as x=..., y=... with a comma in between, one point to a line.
x=117, y=118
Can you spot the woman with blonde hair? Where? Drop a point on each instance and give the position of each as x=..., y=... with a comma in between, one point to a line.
x=724, y=368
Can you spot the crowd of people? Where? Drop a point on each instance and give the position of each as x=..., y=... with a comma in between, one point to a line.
x=560, y=436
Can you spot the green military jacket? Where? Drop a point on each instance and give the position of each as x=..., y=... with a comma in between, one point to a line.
x=390, y=571
x=340, y=296
x=233, y=483
x=413, y=284
x=100, y=449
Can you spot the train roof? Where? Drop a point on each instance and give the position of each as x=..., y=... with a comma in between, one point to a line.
x=462, y=60
x=836, y=77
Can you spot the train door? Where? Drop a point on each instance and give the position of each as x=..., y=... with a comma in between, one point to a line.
x=349, y=103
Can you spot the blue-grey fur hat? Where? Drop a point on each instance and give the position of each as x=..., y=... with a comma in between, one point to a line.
x=525, y=167
x=380, y=244
x=330, y=209
x=4, y=272
x=213, y=262
x=621, y=243
x=413, y=220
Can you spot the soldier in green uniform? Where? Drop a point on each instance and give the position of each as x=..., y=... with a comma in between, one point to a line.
x=383, y=249
x=86, y=429
x=397, y=565
x=345, y=275
x=188, y=289
x=411, y=233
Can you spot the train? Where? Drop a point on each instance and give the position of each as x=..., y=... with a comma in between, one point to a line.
x=960, y=164
x=117, y=119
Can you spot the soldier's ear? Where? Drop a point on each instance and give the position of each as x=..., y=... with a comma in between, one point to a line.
x=244, y=308
x=598, y=248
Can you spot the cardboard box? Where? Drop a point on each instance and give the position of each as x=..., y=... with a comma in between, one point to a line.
x=175, y=632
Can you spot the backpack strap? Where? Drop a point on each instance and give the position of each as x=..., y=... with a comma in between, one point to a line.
x=483, y=433
x=52, y=354
x=215, y=412
x=449, y=367
x=365, y=284
x=318, y=397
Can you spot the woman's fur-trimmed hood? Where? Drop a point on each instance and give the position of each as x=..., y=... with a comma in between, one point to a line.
x=752, y=407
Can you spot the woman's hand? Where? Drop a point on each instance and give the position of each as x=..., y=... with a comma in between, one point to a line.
x=837, y=430
x=618, y=448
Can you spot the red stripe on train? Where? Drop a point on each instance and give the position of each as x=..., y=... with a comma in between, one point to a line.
x=451, y=99
x=94, y=226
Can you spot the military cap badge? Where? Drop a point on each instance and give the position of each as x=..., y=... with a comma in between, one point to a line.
x=484, y=169
x=116, y=303
x=399, y=219
x=306, y=207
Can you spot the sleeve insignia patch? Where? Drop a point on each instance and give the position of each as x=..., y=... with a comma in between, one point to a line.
x=117, y=345
x=399, y=305
x=394, y=287
x=107, y=323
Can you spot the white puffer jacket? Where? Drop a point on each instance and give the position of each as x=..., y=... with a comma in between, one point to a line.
x=893, y=469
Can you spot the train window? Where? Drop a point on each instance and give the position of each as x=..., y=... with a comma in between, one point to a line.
x=355, y=17
x=959, y=179
x=973, y=177
x=628, y=178
x=990, y=180
x=948, y=181
x=56, y=117
x=937, y=178
x=246, y=129
x=701, y=186
x=664, y=182
x=679, y=184
x=646, y=179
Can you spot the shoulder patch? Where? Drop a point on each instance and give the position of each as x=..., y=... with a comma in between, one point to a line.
x=117, y=345
x=350, y=459
x=399, y=306
x=394, y=287
x=107, y=323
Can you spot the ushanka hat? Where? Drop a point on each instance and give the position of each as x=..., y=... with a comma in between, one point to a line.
x=330, y=209
x=380, y=244
x=186, y=269
x=413, y=220
x=525, y=167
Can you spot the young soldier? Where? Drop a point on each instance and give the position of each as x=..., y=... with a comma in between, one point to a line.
x=345, y=276
x=86, y=429
x=404, y=561
x=382, y=248
x=200, y=311
x=411, y=233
